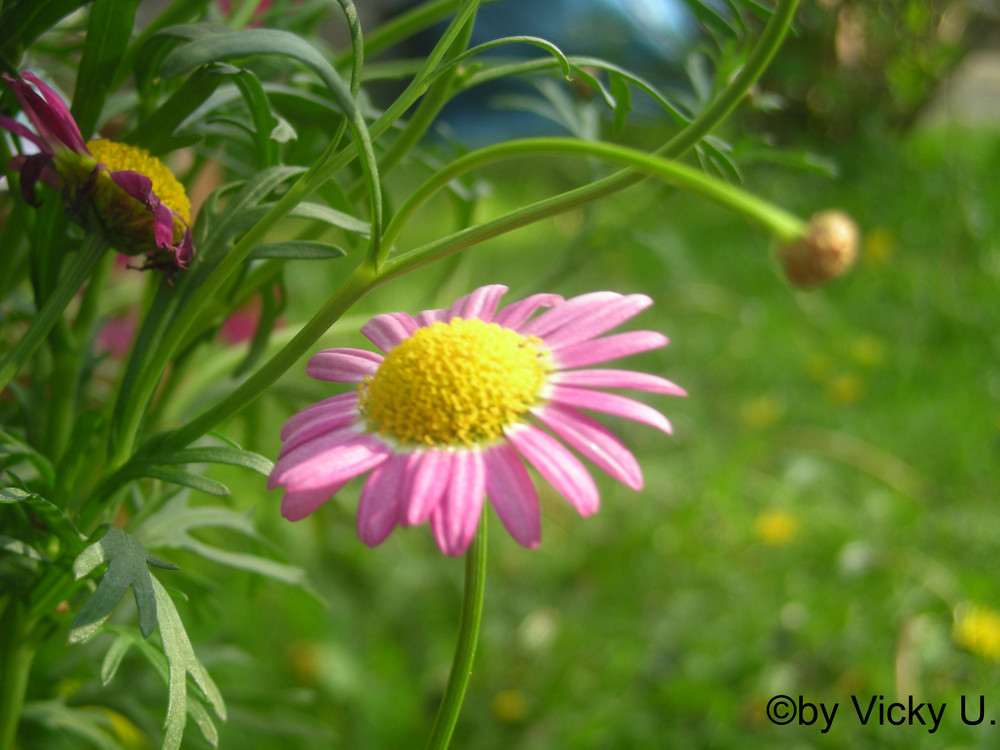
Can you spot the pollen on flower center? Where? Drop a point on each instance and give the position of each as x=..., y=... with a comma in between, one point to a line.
x=455, y=383
x=124, y=157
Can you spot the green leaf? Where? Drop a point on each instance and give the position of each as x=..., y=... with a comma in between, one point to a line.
x=186, y=479
x=264, y=120
x=50, y=515
x=14, y=448
x=17, y=547
x=216, y=454
x=23, y=22
x=113, y=658
x=297, y=250
x=95, y=728
x=181, y=661
x=109, y=27
x=127, y=563
x=171, y=526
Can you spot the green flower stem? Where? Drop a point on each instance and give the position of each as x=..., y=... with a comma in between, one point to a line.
x=79, y=269
x=465, y=649
x=16, y=655
x=781, y=223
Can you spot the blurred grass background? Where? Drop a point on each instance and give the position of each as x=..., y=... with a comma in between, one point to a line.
x=820, y=524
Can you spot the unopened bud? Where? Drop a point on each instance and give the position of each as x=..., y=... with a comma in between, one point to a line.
x=826, y=251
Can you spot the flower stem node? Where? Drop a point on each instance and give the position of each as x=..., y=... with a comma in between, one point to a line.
x=827, y=250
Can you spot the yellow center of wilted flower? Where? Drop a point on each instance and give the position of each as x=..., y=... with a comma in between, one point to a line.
x=455, y=383
x=123, y=157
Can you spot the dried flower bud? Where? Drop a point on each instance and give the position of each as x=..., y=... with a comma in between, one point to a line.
x=826, y=251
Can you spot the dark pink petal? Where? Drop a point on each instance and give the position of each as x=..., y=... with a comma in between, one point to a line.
x=20, y=130
x=343, y=365
x=455, y=519
x=33, y=168
x=640, y=381
x=140, y=187
x=594, y=441
x=569, y=310
x=616, y=346
x=297, y=505
x=610, y=403
x=481, y=303
x=185, y=251
x=334, y=457
x=597, y=319
x=333, y=405
x=430, y=473
x=514, y=314
x=50, y=115
x=512, y=494
x=558, y=466
x=381, y=504
x=388, y=330
x=163, y=225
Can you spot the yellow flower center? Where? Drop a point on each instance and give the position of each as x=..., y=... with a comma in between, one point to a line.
x=455, y=383
x=123, y=157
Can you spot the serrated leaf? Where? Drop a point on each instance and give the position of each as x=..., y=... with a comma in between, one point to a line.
x=53, y=518
x=181, y=661
x=127, y=563
x=297, y=250
x=171, y=526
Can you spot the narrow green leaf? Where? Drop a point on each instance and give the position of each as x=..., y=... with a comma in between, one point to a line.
x=23, y=22
x=297, y=250
x=196, y=710
x=109, y=27
x=127, y=568
x=181, y=661
x=216, y=455
x=264, y=120
x=187, y=479
x=13, y=447
x=113, y=658
x=17, y=547
x=53, y=518
x=623, y=101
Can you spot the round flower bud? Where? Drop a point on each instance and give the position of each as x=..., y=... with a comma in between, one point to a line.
x=826, y=251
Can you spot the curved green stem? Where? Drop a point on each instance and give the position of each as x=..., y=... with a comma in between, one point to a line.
x=783, y=224
x=79, y=269
x=468, y=636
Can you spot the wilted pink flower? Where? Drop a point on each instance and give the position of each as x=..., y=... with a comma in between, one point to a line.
x=457, y=400
x=116, y=189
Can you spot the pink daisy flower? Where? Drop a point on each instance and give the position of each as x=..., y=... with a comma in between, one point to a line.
x=455, y=404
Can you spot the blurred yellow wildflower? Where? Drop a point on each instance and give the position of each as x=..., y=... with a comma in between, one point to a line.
x=977, y=628
x=867, y=351
x=776, y=527
x=845, y=389
x=880, y=245
x=761, y=413
x=510, y=706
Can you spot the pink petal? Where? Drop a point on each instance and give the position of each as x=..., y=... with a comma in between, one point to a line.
x=334, y=457
x=513, y=315
x=20, y=130
x=616, y=346
x=343, y=365
x=163, y=228
x=569, y=310
x=610, y=403
x=430, y=472
x=389, y=329
x=430, y=317
x=480, y=303
x=297, y=505
x=381, y=504
x=512, y=494
x=320, y=424
x=333, y=405
x=558, y=466
x=640, y=381
x=597, y=319
x=594, y=441
x=455, y=519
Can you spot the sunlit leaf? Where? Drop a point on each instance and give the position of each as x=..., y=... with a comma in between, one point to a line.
x=297, y=250
x=53, y=518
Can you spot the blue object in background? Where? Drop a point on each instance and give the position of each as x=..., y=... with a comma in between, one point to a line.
x=646, y=37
